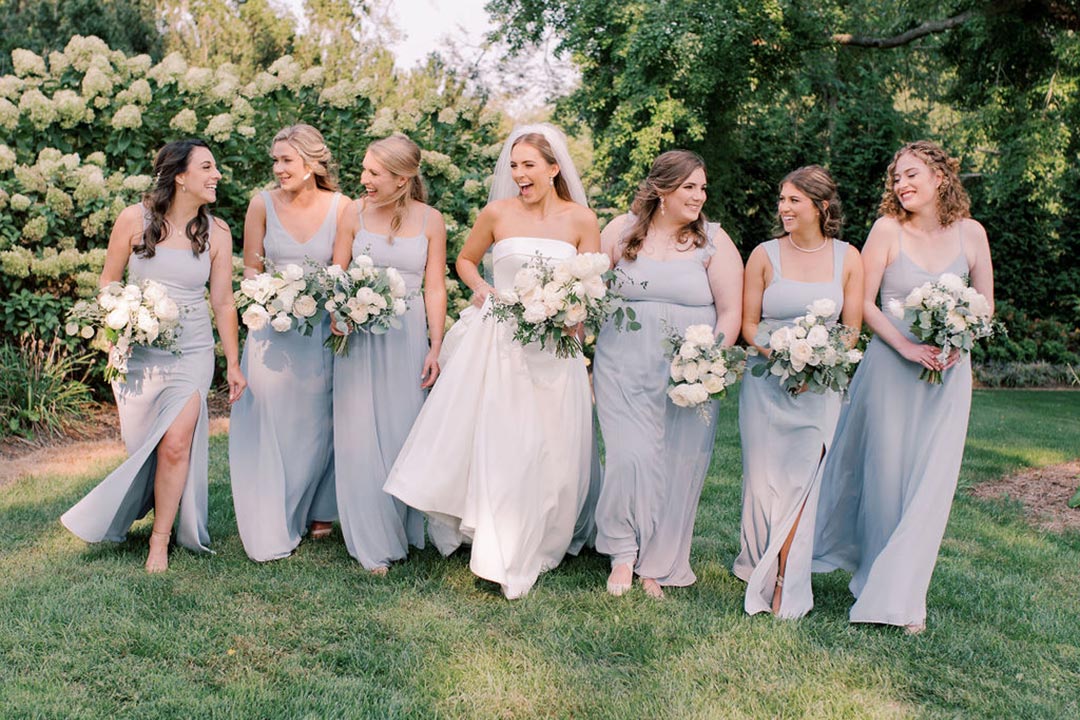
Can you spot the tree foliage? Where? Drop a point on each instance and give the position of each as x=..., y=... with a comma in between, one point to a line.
x=759, y=88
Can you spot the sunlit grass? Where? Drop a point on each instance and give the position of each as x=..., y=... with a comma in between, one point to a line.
x=85, y=633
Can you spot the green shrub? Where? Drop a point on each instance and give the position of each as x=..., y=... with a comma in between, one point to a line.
x=40, y=393
x=1025, y=375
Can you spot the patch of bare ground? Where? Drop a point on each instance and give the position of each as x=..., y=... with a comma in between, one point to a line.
x=1044, y=493
x=95, y=438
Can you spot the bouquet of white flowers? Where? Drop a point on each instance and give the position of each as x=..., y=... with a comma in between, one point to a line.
x=548, y=302
x=285, y=298
x=126, y=316
x=947, y=313
x=813, y=353
x=364, y=298
x=701, y=370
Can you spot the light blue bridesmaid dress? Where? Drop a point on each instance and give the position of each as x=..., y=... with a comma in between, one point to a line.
x=889, y=479
x=158, y=386
x=281, y=448
x=657, y=453
x=377, y=396
x=783, y=437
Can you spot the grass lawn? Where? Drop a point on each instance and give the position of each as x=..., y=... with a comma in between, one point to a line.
x=85, y=633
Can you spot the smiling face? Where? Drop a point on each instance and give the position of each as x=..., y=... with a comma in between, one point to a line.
x=684, y=203
x=915, y=184
x=380, y=184
x=200, y=177
x=797, y=212
x=289, y=167
x=532, y=173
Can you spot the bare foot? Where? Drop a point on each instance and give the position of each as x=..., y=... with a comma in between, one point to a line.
x=320, y=529
x=380, y=571
x=652, y=588
x=157, y=560
x=620, y=579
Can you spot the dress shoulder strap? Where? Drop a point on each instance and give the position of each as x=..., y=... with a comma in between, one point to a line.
x=423, y=223
x=772, y=251
x=360, y=206
x=839, y=249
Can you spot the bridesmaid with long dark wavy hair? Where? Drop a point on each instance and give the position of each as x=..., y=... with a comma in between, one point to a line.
x=172, y=238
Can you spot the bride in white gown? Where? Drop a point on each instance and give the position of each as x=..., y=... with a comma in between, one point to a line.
x=500, y=454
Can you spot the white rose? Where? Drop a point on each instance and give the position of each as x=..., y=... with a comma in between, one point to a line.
x=712, y=383
x=823, y=307
x=132, y=292
x=688, y=350
x=400, y=306
x=830, y=357
x=916, y=297
x=700, y=335
x=72, y=328
x=292, y=272
x=87, y=332
x=304, y=306
x=854, y=356
x=363, y=261
x=335, y=272
x=284, y=302
x=579, y=266
x=396, y=282
x=718, y=367
x=594, y=287
x=166, y=310
x=952, y=283
x=153, y=292
x=895, y=308
x=117, y=319
x=107, y=301
x=255, y=317
x=676, y=371
x=818, y=336
x=554, y=297
x=691, y=372
x=535, y=313
x=281, y=322
x=526, y=280
x=955, y=321
x=780, y=339
x=601, y=262
x=979, y=306
x=575, y=313
x=145, y=321
x=797, y=332
x=801, y=352
x=688, y=395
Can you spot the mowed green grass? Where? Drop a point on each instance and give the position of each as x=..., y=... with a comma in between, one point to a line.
x=85, y=633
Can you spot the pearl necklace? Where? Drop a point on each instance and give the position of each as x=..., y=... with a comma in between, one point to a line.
x=804, y=250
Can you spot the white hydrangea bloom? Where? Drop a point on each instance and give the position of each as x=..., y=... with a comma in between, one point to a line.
x=39, y=108
x=9, y=114
x=7, y=158
x=72, y=108
x=58, y=63
x=137, y=92
x=185, y=121
x=35, y=229
x=448, y=115
x=342, y=95
x=81, y=51
x=138, y=183
x=96, y=82
x=312, y=77
x=20, y=202
x=171, y=68
x=138, y=65
x=26, y=63
x=11, y=86
x=128, y=117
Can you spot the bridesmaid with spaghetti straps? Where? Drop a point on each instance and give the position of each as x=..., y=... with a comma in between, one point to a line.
x=890, y=476
x=381, y=384
x=169, y=237
x=281, y=449
x=784, y=436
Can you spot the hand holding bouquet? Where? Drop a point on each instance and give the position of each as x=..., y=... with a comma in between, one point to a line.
x=126, y=316
x=813, y=353
x=701, y=370
x=285, y=299
x=549, y=302
x=363, y=298
x=946, y=313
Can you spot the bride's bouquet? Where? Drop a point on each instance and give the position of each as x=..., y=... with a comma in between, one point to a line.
x=364, y=298
x=549, y=301
x=701, y=370
x=813, y=353
x=126, y=316
x=947, y=313
x=285, y=298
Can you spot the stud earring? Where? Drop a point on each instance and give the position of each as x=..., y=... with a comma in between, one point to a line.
x=183, y=187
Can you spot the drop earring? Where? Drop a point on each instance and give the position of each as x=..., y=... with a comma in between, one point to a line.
x=662, y=212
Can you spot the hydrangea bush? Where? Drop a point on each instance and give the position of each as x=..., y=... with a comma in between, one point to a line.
x=79, y=130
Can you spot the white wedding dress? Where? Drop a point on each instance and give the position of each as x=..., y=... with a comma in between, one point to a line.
x=500, y=453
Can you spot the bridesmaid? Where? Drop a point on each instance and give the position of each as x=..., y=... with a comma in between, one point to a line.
x=785, y=436
x=381, y=384
x=889, y=479
x=170, y=237
x=686, y=272
x=281, y=452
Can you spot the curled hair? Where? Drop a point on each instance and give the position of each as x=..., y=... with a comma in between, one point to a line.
x=818, y=185
x=540, y=143
x=952, y=201
x=669, y=171
x=401, y=157
x=311, y=147
x=172, y=160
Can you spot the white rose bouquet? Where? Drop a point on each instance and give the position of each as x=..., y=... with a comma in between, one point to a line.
x=813, y=353
x=364, y=298
x=946, y=313
x=548, y=302
x=126, y=316
x=701, y=370
x=286, y=298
